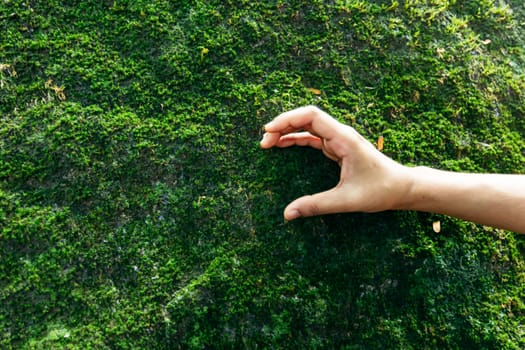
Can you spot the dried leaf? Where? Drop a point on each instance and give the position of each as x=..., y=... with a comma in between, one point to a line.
x=436, y=226
x=48, y=83
x=58, y=90
x=314, y=91
x=486, y=41
x=380, y=143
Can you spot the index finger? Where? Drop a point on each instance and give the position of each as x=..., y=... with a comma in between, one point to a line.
x=308, y=118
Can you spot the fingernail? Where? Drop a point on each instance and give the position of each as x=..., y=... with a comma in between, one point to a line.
x=263, y=138
x=293, y=214
x=268, y=125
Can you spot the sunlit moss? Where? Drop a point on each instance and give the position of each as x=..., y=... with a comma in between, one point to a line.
x=137, y=210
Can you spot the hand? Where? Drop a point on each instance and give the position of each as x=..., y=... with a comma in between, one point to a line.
x=369, y=181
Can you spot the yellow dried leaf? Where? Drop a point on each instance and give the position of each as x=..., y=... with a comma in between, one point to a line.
x=436, y=226
x=314, y=91
x=380, y=143
x=58, y=90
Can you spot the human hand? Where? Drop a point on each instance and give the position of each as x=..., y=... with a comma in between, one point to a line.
x=369, y=180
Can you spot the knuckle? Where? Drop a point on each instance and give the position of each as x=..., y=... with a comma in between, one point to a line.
x=311, y=109
x=312, y=209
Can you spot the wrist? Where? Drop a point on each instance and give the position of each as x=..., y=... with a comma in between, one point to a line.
x=408, y=185
x=427, y=189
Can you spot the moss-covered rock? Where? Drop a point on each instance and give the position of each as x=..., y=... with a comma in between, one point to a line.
x=137, y=210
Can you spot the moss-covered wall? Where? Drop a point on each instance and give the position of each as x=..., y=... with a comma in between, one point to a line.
x=137, y=210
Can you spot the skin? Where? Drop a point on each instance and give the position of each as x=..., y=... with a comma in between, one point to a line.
x=372, y=182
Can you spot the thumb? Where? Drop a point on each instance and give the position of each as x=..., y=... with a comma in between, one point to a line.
x=327, y=202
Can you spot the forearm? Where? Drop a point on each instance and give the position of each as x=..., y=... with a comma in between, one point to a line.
x=488, y=199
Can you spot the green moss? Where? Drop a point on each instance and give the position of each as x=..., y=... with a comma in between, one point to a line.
x=137, y=210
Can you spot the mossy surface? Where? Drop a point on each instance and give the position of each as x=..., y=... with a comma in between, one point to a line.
x=137, y=210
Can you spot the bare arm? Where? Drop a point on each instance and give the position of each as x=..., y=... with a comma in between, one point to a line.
x=371, y=182
x=490, y=199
